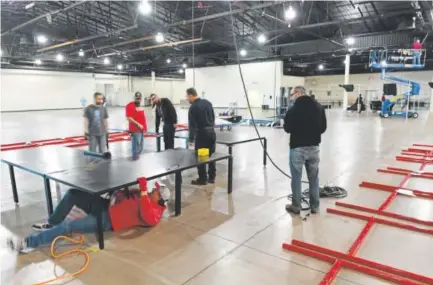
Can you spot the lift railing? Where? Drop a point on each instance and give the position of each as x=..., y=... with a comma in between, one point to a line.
x=397, y=58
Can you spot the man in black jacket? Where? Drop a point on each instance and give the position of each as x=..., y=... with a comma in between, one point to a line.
x=201, y=125
x=305, y=121
x=166, y=112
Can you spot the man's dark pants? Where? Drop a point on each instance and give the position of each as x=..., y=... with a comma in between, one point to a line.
x=168, y=131
x=206, y=139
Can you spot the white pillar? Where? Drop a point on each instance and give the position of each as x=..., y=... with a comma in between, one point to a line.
x=431, y=100
x=346, y=79
x=153, y=81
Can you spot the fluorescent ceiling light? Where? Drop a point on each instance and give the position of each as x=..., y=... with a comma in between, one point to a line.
x=290, y=13
x=106, y=61
x=41, y=39
x=28, y=6
x=180, y=71
x=243, y=52
x=321, y=67
x=184, y=65
x=60, y=57
x=145, y=8
x=350, y=41
x=38, y=62
x=159, y=38
x=168, y=60
x=261, y=38
x=81, y=52
x=119, y=67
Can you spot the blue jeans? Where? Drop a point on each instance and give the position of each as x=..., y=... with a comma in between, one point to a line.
x=416, y=59
x=137, y=143
x=85, y=201
x=310, y=157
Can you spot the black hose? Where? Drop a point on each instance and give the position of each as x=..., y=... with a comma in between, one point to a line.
x=248, y=100
x=326, y=191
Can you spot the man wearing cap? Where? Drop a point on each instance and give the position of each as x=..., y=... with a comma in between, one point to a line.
x=305, y=121
x=165, y=112
x=137, y=124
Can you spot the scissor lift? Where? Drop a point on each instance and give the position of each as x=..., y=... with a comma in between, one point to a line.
x=398, y=59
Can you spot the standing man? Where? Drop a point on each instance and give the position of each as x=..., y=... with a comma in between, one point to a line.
x=416, y=51
x=201, y=125
x=137, y=124
x=166, y=112
x=96, y=125
x=305, y=121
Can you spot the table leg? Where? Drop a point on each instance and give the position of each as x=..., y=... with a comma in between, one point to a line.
x=265, y=149
x=158, y=143
x=48, y=195
x=178, y=193
x=13, y=183
x=230, y=176
x=99, y=230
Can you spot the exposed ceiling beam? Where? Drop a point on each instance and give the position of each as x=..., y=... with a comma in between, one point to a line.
x=353, y=21
x=121, y=43
x=223, y=14
x=87, y=38
x=41, y=17
x=170, y=44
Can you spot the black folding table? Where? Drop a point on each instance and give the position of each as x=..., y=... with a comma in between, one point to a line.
x=98, y=176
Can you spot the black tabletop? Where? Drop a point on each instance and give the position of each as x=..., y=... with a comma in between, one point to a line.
x=48, y=159
x=228, y=137
x=123, y=172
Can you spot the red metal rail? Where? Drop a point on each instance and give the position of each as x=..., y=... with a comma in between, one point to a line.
x=348, y=260
x=75, y=141
x=390, y=188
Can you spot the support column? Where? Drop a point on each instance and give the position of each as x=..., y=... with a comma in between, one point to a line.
x=153, y=81
x=431, y=99
x=346, y=79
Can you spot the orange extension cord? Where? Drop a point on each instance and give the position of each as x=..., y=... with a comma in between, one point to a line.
x=63, y=254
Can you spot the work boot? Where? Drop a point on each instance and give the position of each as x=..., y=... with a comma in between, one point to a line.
x=292, y=209
x=198, y=182
x=41, y=226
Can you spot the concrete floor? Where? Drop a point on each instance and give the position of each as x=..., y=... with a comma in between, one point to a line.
x=234, y=239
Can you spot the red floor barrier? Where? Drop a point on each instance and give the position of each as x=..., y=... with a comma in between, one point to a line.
x=75, y=141
x=349, y=260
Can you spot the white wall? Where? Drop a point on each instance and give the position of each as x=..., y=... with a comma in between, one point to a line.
x=366, y=82
x=292, y=81
x=174, y=89
x=38, y=90
x=222, y=84
x=33, y=90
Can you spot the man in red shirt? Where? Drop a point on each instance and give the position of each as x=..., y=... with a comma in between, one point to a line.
x=119, y=212
x=137, y=124
x=416, y=50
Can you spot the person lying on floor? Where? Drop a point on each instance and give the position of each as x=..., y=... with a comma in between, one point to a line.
x=123, y=210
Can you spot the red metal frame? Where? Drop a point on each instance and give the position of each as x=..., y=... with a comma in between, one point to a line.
x=348, y=260
x=390, y=188
x=75, y=141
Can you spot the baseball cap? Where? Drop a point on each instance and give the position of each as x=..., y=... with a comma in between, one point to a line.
x=137, y=95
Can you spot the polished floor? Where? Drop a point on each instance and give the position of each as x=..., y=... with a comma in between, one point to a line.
x=233, y=239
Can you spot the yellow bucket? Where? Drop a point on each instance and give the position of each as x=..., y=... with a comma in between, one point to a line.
x=203, y=152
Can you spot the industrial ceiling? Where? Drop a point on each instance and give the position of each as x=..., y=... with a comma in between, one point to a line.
x=137, y=37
